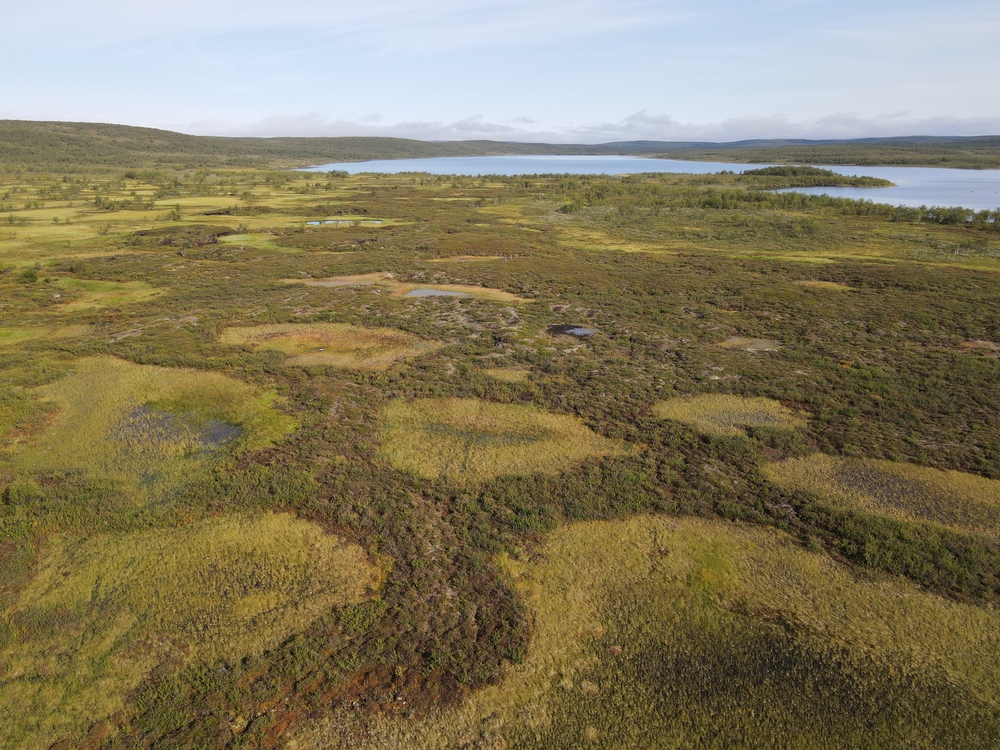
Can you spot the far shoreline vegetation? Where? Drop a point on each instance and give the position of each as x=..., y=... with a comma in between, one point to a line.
x=73, y=146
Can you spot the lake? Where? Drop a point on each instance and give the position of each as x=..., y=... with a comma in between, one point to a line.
x=913, y=186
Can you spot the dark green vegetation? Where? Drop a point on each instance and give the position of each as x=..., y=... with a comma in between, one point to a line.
x=798, y=176
x=895, y=358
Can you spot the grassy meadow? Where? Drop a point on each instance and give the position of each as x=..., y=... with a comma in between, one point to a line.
x=308, y=460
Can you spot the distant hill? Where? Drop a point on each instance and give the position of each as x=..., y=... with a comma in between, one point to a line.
x=68, y=146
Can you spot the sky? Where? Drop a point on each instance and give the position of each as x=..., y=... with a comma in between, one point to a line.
x=581, y=71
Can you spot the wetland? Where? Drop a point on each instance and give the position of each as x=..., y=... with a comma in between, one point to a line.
x=541, y=460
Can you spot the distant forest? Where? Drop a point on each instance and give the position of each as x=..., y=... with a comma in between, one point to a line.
x=67, y=146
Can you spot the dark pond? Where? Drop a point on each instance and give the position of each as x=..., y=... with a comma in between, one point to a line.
x=567, y=330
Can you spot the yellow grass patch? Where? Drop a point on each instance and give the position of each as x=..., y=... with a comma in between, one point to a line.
x=149, y=427
x=658, y=632
x=333, y=344
x=722, y=414
x=750, y=344
x=11, y=336
x=829, y=285
x=465, y=259
x=409, y=289
x=90, y=294
x=102, y=612
x=467, y=439
x=915, y=493
x=509, y=374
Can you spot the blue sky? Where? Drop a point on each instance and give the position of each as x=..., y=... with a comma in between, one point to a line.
x=548, y=70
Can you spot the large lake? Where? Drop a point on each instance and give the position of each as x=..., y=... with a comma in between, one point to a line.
x=914, y=186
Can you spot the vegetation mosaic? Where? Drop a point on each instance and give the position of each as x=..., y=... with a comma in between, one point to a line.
x=316, y=460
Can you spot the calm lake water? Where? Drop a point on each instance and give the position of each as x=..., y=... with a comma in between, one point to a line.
x=914, y=186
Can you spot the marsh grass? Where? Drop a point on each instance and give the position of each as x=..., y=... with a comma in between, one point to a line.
x=508, y=374
x=961, y=501
x=723, y=414
x=832, y=286
x=89, y=294
x=333, y=344
x=468, y=439
x=149, y=427
x=653, y=633
x=102, y=612
x=750, y=344
x=402, y=289
x=14, y=336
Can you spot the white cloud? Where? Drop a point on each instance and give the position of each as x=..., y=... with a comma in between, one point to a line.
x=638, y=126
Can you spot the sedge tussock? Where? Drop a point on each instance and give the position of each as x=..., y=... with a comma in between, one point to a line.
x=102, y=612
x=723, y=414
x=961, y=501
x=404, y=289
x=832, y=286
x=657, y=632
x=468, y=439
x=149, y=427
x=333, y=344
x=98, y=294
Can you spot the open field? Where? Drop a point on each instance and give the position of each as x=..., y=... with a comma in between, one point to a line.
x=103, y=612
x=755, y=505
x=728, y=415
x=636, y=620
x=331, y=344
x=465, y=439
x=952, y=498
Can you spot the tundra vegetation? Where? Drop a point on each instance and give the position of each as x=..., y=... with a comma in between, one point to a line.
x=255, y=494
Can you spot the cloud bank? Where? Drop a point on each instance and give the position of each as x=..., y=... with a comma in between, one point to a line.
x=638, y=126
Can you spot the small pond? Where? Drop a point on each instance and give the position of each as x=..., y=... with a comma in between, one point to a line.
x=567, y=330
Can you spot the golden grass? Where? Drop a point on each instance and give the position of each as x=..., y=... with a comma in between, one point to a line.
x=916, y=493
x=147, y=426
x=465, y=259
x=829, y=285
x=750, y=344
x=468, y=439
x=12, y=336
x=102, y=612
x=509, y=374
x=403, y=289
x=333, y=344
x=97, y=294
x=722, y=414
x=629, y=615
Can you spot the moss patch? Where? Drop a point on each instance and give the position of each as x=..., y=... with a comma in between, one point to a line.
x=467, y=439
x=721, y=414
x=332, y=344
x=915, y=493
x=102, y=612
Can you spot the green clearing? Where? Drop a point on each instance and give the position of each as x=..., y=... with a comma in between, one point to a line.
x=101, y=613
x=466, y=439
x=635, y=621
x=152, y=299
x=915, y=493
x=722, y=414
x=335, y=345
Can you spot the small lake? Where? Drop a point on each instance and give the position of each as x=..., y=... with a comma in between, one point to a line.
x=913, y=186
